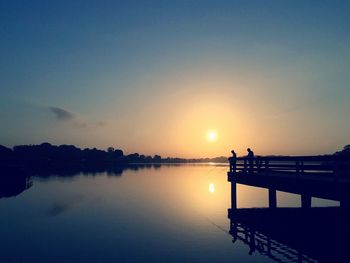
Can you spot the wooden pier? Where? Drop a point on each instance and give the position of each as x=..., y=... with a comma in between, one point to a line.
x=326, y=177
x=305, y=234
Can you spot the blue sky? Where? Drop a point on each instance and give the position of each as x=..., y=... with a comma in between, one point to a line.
x=152, y=76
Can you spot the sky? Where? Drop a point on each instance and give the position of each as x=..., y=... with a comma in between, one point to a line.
x=155, y=77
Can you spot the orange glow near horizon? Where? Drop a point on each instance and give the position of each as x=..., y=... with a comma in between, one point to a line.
x=213, y=115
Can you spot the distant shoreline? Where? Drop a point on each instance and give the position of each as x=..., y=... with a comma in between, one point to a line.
x=46, y=157
x=48, y=154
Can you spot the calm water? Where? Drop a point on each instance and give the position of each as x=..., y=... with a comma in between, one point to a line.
x=164, y=214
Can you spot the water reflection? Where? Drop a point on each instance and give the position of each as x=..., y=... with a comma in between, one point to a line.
x=145, y=213
x=293, y=234
x=13, y=184
x=14, y=181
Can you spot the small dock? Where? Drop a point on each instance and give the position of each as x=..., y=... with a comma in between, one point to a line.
x=305, y=234
x=326, y=177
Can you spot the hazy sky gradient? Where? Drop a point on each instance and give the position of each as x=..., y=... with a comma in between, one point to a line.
x=155, y=76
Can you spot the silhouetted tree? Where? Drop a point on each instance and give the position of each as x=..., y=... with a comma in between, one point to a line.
x=346, y=148
x=115, y=155
x=157, y=158
x=5, y=153
x=118, y=153
x=110, y=149
x=345, y=151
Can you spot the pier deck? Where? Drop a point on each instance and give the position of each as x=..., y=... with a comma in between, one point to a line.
x=326, y=177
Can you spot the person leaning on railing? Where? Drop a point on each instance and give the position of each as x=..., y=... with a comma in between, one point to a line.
x=233, y=161
x=250, y=158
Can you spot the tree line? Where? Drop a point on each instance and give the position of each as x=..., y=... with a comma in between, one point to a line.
x=68, y=154
x=46, y=153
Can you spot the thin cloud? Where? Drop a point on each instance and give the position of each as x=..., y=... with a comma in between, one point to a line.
x=100, y=123
x=62, y=114
x=80, y=124
x=73, y=119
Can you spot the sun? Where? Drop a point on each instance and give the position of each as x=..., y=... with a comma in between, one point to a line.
x=211, y=188
x=212, y=136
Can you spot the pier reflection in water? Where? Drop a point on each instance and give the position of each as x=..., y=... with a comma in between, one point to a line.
x=306, y=234
x=293, y=234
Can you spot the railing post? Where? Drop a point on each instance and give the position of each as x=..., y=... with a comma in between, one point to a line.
x=301, y=167
x=245, y=165
x=272, y=198
x=258, y=164
x=305, y=201
x=233, y=167
x=251, y=165
x=266, y=165
x=297, y=167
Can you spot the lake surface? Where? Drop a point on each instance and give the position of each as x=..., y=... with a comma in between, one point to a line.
x=168, y=213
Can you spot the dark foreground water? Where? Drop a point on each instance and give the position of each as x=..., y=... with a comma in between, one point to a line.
x=163, y=214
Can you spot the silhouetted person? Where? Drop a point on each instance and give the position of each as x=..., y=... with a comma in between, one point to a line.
x=233, y=161
x=250, y=157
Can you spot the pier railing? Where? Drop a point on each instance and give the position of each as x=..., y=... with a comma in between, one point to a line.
x=320, y=165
